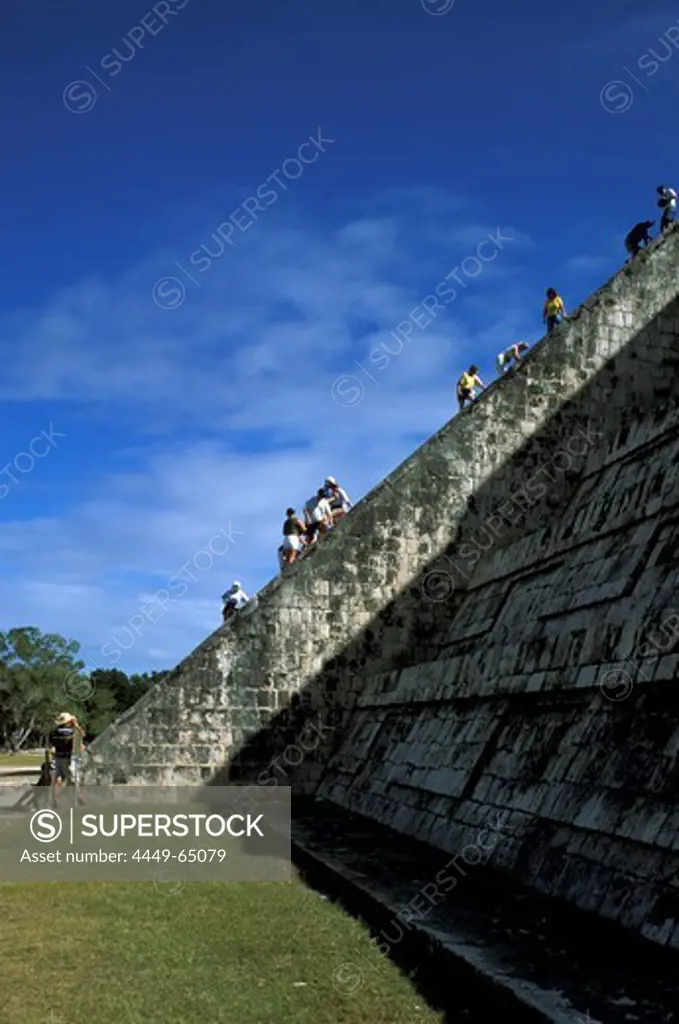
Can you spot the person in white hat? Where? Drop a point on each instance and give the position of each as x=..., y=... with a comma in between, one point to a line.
x=234, y=599
x=340, y=503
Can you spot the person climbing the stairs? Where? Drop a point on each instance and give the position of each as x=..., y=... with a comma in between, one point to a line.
x=510, y=357
x=466, y=386
x=554, y=311
x=234, y=599
x=640, y=234
x=340, y=502
x=668, y=204
x=66, y=746
x=318, y=515
x=293, y=536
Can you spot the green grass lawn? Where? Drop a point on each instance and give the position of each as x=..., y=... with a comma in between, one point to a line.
x=20, y=760
x=213, y=953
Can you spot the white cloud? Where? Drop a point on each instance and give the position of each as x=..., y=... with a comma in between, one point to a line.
x=222, y=412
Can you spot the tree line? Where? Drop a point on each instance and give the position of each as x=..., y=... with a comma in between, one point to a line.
x=41, y=675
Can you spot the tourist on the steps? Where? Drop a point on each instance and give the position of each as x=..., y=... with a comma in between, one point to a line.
x=554, y=311
x=309, y=507
x=340, y=503
x=281, y=558
x=318, y=515
x=314, y=514
x=466, y=386
x=668, y=204
x=293, y=536
x=640, y=234
x=234, y=599
x=511, y=356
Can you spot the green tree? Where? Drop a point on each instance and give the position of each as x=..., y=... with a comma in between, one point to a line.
x=141, y=684
x=101, y=711
x=111, y=693
x=108, y=688
x=40, y=675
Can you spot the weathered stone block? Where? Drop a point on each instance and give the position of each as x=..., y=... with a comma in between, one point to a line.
x=473, y=639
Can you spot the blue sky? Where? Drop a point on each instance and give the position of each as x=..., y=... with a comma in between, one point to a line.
x=185, y=417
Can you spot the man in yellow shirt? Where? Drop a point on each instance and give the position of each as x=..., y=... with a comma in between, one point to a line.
x=554, y=311
x=467, y=384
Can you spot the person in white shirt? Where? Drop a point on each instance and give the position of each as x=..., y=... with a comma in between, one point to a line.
x=315, y=515
x=510, y=356
x=309, y=508
x=321, y=516
x=234, y=599
x=340, y=502
x=323, y=510
x=668, y=204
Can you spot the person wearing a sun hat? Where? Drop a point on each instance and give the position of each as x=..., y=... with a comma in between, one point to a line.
x=340, y=503
x=65, y=741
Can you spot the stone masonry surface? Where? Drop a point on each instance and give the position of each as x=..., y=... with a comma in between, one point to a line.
x=494, y=627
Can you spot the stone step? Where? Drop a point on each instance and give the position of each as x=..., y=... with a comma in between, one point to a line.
x=496, y=949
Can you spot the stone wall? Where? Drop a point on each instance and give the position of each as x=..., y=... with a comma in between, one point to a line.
x=453, y=646
x=553, y=696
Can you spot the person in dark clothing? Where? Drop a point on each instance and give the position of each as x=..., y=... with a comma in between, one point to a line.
x=65, y=741
x=294, y=535
x=640, y=233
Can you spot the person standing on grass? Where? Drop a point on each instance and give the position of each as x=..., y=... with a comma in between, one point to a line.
x=466, y=386
x=67, y=743
x=554, y=311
